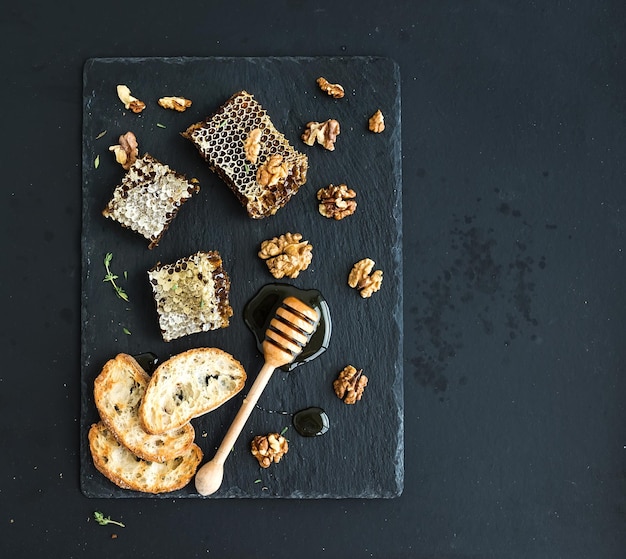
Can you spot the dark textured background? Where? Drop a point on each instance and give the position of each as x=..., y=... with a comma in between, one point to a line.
x=513, y=140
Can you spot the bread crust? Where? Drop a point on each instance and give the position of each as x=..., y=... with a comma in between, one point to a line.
x=118, y=392
x=189, y=385
x=118, y=464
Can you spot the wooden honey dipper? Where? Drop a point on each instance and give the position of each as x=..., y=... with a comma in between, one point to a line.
x=289, y=331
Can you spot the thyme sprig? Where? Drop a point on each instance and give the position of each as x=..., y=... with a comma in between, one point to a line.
x=104, y=520
x=111, y=277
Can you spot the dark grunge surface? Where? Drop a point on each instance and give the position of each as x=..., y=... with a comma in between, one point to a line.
x=513, y=135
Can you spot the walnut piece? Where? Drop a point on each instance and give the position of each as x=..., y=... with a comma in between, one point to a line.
x=287, y=255
x=127, y=151
x=179, y=104
x=272, y=171
x=269, y=448
x=130, y=102
x=361, y=278
x=336, y=202
x=377, y=122
x=350, y=384
x=252, y=145
x=324, y=133
x=333, y=89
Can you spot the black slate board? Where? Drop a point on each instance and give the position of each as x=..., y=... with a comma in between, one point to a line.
x=362, y=454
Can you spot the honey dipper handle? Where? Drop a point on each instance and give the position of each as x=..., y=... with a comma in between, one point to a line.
x=244, y=412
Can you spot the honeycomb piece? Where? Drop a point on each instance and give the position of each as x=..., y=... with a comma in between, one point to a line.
x=221, y=139
x=191, y=295
x=149, y=197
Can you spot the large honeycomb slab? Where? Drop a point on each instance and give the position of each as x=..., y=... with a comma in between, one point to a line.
x=221, y=140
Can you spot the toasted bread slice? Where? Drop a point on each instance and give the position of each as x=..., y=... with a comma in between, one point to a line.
x=188, y=385
x=239, y=141
x=191, y=295
x=113, y=460
x=118, y=391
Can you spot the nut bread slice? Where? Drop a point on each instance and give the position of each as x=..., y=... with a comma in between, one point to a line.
x=113, y=460
x=191, y=295
x=188, y=385
x=149, y=197
x=118, y=391
x=256, y=161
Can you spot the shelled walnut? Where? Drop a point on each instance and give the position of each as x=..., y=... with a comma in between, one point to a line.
x=336, y=202
x=287, y=255
x=324, y=133
x=350, y=384
x=272, y=171
x=130, y=102
x=333, y=89
x=269, y=448
x=377, y=122
x=362, y=278
x=179, y=104
x=127, y=151
x=252, y=145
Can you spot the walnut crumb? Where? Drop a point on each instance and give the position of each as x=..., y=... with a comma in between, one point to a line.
x=268, y=449
x=333, y=89
x=377, y=122
x=287, y=255
x=336, y=202
x=179, y=104
x=130, y=102
x=362, y=278
x=324, y=133
x=252, y=145
x=272, y=171
x=127, y=151
x=350, y=384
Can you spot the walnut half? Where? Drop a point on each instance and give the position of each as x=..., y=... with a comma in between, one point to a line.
x=362, y=278
x=269, y=448
x=333, y=89
x=272, y=171
x=324, y=133
x=252, y=145
x=350, y=384
x=179, y=104
x=130, y=102
x=336, y=202
x=127, y=151
x=287, y=255
x=377, y=122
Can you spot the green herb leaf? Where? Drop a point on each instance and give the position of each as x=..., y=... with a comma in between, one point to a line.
x=126, y=331
x=257, y=481
x=103, y=521
x=101, y=134
x=96, y=162
x=160, y=125
x=285, y=429
x=111, y=277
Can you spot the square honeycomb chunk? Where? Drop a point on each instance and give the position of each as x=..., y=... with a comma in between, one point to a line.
x=149, y=197
x=224, y=138
x=191, y=295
